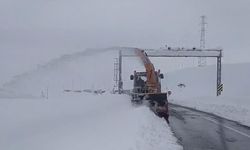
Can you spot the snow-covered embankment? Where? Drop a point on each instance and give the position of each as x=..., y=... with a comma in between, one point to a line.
x=81, y=121
x=200, y=90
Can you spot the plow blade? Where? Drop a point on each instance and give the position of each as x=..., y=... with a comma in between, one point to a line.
x=158, y=97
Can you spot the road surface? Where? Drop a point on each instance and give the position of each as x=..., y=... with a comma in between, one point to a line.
x=198, y=130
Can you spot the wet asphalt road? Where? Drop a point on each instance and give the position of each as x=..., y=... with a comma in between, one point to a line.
x=197, y=130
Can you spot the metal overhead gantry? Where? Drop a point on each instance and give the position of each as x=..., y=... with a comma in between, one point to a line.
x=214, y=53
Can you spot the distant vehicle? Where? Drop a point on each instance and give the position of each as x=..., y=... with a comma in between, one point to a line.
x=87, y=91
x=77, y=91
x=99, y=91
x=181, y=85
x=169, y=93
x=67, y=90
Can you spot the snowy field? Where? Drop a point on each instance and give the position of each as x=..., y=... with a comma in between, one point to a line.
x=71, y=120
x=200, y=90
x=81, y=121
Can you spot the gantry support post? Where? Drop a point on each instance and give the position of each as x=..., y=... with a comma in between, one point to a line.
x=120, y=83
x=219, y=87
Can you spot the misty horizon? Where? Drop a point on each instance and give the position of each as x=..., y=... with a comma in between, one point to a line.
x=34, y=32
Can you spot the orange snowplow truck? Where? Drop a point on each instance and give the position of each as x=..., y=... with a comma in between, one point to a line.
x=147, y=84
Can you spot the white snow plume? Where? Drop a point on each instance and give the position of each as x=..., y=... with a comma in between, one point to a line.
x=92, y=68
x=89, y=69
x=200, y=90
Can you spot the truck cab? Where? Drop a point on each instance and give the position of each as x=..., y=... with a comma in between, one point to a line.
x=141, y=88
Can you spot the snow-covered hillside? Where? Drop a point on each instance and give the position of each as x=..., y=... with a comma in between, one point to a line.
x=200, y=90
x=77, y=120
x=81, y=121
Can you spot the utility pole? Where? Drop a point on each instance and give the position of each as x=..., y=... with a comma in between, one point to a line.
x=202, y=60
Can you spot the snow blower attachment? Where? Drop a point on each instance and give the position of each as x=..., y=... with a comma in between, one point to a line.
x=147, y=86
x=142, y=90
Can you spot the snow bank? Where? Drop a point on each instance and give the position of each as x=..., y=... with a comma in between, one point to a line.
x=200, y=90
x=237, y=108
x=81, y=121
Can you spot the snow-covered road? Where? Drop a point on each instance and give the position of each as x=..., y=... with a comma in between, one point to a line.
x=199, y=130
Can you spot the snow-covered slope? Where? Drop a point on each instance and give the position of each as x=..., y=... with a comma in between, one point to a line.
x=81, y=121
x=202, y=81
x=200, y=90
x=72, y=120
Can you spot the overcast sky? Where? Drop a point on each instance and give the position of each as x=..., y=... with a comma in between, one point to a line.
x=34, y=31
